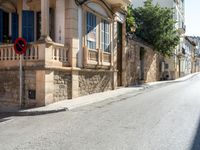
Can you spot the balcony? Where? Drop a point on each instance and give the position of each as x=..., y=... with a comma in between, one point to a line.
x=123, y=3
x=37, y=55
x=183, y=51
x=97, y=58
x=182, y=29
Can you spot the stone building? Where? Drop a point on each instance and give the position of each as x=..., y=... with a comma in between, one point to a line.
x=187, y=57
x=73, y=49
x=196, y=40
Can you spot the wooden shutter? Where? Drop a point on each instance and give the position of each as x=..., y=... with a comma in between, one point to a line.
x=1, y=26
x=28, y=25
x=14, y=26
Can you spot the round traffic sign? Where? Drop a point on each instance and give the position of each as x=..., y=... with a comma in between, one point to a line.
x=20, y=46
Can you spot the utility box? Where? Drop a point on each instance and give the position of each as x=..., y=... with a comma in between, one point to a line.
x=32, y=94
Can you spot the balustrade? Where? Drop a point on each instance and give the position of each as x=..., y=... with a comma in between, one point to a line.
x=35, y=54
x=97, y=57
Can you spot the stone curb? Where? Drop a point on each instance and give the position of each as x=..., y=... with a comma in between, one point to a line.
x=33, y=113
x=170, y=81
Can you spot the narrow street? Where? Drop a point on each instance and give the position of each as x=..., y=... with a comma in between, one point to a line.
x=160, y=118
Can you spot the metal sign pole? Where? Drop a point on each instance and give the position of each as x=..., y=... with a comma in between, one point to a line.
x=20, y=47
x=20, y=80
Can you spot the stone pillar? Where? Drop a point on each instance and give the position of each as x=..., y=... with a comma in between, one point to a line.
x=71, y=31
x=124, y=54
x=44, y=87
x=40, y=87
x=75, y=83
x=19, y=11
x=114, y=43
x=114, y=54
x=45, y=20
x=49, y=87
x=72, y=39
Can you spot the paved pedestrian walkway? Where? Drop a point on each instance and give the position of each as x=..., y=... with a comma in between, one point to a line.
x=93, y=98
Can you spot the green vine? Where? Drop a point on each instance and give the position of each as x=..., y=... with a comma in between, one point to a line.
x=130, y=20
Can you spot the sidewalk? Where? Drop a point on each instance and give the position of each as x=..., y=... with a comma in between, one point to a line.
x=93, y=98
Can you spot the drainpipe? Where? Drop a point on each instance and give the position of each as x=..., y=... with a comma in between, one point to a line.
x=179, y=68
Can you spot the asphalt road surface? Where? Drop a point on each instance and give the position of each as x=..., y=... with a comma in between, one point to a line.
x=161, y=118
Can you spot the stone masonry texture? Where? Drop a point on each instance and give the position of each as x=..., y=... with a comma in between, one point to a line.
x=9, y=89
x=94, y=82
x=62, y=85
x=151, y=63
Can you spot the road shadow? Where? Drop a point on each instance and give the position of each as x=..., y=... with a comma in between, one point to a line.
x=196, y=141
x=4, y=118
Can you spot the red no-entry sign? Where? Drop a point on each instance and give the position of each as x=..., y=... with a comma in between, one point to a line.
x=20, y=46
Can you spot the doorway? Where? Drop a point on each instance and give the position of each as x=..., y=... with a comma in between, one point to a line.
x=142, y=53
x=119, y=54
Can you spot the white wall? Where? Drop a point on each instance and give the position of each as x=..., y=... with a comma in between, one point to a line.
x=163, y=3
x=179, y=9
x=60, y=21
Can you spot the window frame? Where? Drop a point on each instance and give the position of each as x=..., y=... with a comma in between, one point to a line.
x=93, y=30
x=99, y=17
x=102, y=41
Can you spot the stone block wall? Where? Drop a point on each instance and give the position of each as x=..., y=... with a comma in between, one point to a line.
x=94, y=82
x=29, y=83
x=48, y=86
x=152, y=61
x=152, y=66
x=171, y=71
x=62, y=85
x=132, y=61
x=9, y=89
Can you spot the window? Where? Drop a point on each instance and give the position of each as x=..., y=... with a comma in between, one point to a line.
x=166, y=66
x=98, y=27
x=91, y=30
x=4, y=26
x=38, y=25
x=1, y=26
x=51, y=24
x=105, y=35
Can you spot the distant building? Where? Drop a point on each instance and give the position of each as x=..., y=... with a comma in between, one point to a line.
x=188, y=56
x=196, y=39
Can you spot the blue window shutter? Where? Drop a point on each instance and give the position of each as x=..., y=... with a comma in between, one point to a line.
x=28, y=25
x=1, y=26
x=14, y=26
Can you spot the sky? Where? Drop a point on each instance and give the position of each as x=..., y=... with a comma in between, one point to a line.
x=192, y=17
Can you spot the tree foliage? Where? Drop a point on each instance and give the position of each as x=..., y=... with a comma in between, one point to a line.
x=130, y=19
x=156, y=26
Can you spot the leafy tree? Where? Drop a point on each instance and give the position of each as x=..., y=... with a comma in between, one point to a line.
x=130, y=19
x=156, y=26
